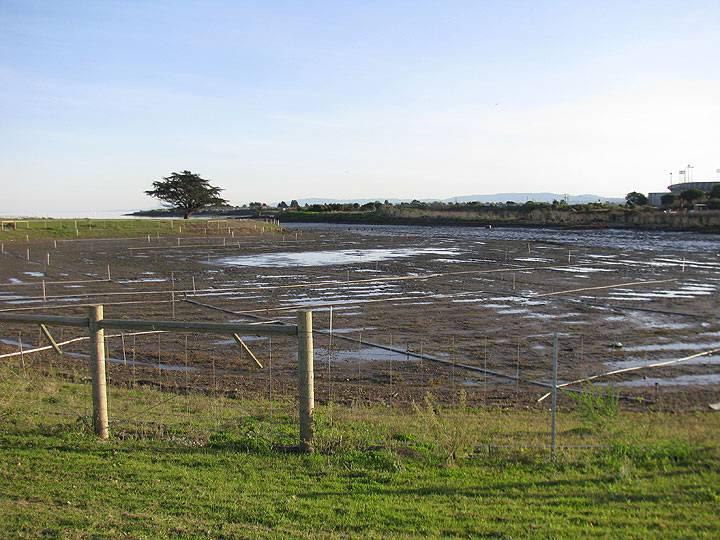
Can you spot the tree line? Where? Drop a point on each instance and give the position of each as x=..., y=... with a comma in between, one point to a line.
x=188, y=192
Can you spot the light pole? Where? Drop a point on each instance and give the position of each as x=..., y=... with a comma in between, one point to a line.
x=689, y=169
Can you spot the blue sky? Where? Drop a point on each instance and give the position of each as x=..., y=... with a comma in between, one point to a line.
x=281, y=100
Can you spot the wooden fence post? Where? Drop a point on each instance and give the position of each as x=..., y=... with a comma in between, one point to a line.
x=306, y=389
x=97, y=368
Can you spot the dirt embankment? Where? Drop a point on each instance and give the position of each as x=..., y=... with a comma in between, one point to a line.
x=702, y=221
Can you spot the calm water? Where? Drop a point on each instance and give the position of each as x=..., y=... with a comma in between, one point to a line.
x=607, y=238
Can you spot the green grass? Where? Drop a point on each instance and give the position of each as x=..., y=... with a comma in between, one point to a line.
x=39, y=229
x=207, y=467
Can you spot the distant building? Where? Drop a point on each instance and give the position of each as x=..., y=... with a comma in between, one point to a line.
x=677, y=189
x=655, y=198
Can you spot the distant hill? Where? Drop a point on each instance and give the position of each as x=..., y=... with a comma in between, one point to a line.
x=490, y=198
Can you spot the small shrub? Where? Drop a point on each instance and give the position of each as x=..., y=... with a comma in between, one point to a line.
x=447, y=428
x=599, y=409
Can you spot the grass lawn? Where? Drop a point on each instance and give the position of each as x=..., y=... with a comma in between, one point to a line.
x=39, y=229
x=210, y=467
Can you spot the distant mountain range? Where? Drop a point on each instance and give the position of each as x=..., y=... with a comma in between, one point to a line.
x=491, y=198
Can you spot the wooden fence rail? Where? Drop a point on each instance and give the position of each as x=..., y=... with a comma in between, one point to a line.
x=96, y=324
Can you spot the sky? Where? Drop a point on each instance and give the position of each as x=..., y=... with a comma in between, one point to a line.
x=276, y=100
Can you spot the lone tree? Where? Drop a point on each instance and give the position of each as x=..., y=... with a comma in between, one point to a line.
x=634, y=199
x=187, y=192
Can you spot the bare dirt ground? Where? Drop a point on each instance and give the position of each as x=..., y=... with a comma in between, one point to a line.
x=491, y=299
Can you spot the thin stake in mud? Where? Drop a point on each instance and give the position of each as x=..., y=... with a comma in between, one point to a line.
x=485, y=373
x=133, y=361
x=452, y=370
x=270, y=377
x=360, y=345
x=124, y=353
x=187, y=389
x=517, y=371
x=329, y=355
x=214, y=384
x=553, y=421
x=22, y=354
x=245, y=348
x=108, y=354
x=423, y=374
x=158, y=364
x=44, y=330
x=391, y=361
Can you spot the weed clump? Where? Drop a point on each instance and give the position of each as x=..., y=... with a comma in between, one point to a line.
x=599, y=410
x=447, y=429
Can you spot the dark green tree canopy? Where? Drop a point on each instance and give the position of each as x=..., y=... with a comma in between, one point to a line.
x=187, y=192
x=634, y=198
x=692, y=195
x=668, y=199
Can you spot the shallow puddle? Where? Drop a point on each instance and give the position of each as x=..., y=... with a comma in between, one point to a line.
x=676, y=346
x=366, y=354
x=331, y=257
x=711, y=359
x=680, y=380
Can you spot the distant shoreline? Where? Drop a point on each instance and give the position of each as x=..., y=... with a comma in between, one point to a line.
x=343, y=220
x=616, y=218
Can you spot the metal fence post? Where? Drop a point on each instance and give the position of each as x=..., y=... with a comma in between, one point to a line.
x=553, y=425
x=97, y=368
x=306, y=389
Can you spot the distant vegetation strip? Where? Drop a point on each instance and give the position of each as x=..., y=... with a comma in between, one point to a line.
x=529, y=214
x=538, y=216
